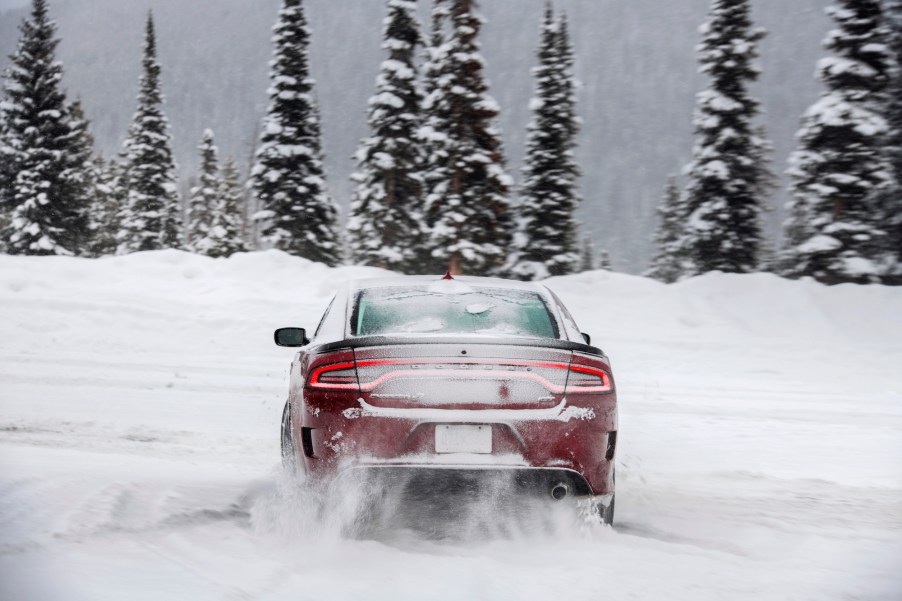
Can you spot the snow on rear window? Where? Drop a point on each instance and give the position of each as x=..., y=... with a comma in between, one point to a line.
x=461, y=310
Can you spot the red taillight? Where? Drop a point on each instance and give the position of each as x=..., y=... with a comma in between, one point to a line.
x=587, y=379
x=335, y=376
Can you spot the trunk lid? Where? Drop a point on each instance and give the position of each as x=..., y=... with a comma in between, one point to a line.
x=462, y=375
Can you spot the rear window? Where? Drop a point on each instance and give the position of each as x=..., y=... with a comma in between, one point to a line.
x=451, y=309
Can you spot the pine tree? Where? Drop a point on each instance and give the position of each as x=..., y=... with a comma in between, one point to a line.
x=432, y=136
x=288, y=178
x=469, y=212
x=7, y=176
x=729, y=174
x=604, y=260
x=204, y=198
x=587, y=257
x=80, y=163
x=667, y=264
x=151, y=213
x=216, y=207
x=42, y=177
x=386, y=226
x=95, y=179
x=546, y=240
x=840, y=170
x=229, y=231
x=893, y=199
x=104, y=214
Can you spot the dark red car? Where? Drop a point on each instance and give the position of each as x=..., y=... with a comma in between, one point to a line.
x=431, y=375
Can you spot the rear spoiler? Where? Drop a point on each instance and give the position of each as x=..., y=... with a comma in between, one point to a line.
x=364, y=341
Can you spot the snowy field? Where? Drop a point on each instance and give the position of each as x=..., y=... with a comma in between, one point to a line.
x=760, y=444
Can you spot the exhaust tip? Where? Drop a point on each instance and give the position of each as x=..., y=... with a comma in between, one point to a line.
x=559, y=491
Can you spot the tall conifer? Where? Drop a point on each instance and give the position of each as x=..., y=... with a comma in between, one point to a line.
x=433, y=135
x=104, y=215
x=151, y=211
x=667, y=264
x=604, y=260
x=469, y=211
x=296, y=212
x=893, y=199
x=546, y=240
x=204, y=199
x=386, y=224
x=729, y=175
x=7, y=176
x=840, y=170
x=229, y=232
x=42, y=187
x=587, y=260
x=216, y=208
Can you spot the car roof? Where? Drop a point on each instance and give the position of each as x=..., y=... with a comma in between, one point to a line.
x=421, y=280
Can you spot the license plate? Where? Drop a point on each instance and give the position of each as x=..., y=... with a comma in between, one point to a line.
x=463, y=439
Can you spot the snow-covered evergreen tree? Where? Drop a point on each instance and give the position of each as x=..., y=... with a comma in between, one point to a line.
x=97, y=180
x=80, y=169
x=893, y=199
x=469, y=211
x=204, y=198
x=151, y=212
x=386, y=226
x=7, y=176
x=840, y=170
x=296, y=212
x=587, y=256
x=229, y=231
x=42, y=177
x=104, y=214
x=545, y=243
x=729, y=175
x=433, y=137
x=216, y=207
x=667, y=264
x=604, y=260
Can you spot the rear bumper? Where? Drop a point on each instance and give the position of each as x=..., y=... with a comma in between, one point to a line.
x=534, y=448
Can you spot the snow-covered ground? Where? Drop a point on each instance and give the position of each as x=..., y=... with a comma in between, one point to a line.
x=760, y=444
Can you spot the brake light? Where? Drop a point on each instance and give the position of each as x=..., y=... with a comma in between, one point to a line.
x=335, y=376
x=587, y=379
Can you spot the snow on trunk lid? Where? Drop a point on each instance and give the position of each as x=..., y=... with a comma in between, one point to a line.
x=404, y=375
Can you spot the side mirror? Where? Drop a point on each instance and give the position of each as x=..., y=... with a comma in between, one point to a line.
x=587, y=338
x=291, y=337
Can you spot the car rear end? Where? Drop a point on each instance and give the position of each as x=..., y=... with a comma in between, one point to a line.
x=469, y=377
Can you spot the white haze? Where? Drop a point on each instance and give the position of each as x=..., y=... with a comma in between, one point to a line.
x=636, y=61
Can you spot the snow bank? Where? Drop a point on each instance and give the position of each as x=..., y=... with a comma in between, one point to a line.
x=254, y=290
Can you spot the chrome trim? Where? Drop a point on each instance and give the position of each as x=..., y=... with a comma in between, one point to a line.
x=562, y=412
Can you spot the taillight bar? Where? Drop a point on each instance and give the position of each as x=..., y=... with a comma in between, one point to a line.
x=581, y=378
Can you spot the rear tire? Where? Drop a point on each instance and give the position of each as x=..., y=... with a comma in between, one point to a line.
x=289, y=455
x=607, y=513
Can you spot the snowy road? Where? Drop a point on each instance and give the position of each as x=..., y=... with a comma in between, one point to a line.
x=760, y=458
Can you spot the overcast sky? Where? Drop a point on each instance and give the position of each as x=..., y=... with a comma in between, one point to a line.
x=4, y=4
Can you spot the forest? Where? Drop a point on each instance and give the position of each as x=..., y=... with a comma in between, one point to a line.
x=432, y=187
